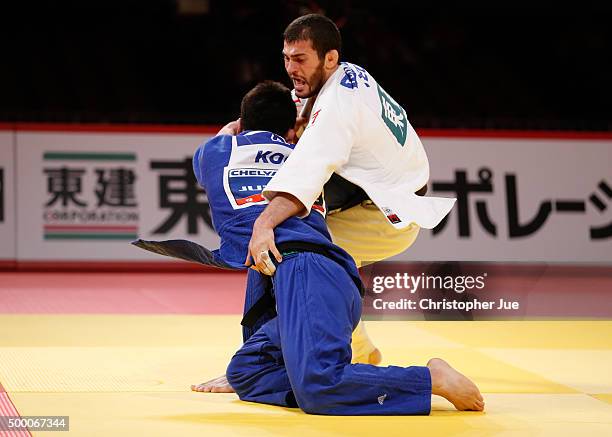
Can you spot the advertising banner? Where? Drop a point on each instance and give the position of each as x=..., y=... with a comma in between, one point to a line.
x=520, y=200
x=7, y=196
x=85, y=196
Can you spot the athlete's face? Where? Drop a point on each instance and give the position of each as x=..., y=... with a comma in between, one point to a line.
x=306, y=70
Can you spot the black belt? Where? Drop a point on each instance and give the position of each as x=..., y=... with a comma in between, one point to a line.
x=341, y=194
x=267, y=302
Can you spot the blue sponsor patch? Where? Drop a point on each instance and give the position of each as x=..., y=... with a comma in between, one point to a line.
x=246, y=184
x=350, y=78
x=250, y=138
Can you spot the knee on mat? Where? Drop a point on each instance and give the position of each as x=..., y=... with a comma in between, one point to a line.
x=236, y=373
x=313, y=401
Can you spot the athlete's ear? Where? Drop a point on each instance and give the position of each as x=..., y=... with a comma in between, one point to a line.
x=291, y=136
x=331, y=59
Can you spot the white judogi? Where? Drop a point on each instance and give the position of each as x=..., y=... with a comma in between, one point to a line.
x=358, y=131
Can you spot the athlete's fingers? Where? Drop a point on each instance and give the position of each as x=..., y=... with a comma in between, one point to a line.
x=275, y=252
x=264, y=263
x=256, y=263
x=249, y=260
x=260, y=264
x=262, y=239
x=267, y=261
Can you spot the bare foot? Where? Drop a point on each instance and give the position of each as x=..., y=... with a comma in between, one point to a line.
x=374, y=358
x=452, y=385
x=216, y=385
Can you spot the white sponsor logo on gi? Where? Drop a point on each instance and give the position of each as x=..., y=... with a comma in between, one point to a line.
x=252, y=188
x=252, y=172
x=395, y=118
x=382, y=398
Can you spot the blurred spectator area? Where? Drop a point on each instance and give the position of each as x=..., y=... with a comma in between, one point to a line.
x=190, y=61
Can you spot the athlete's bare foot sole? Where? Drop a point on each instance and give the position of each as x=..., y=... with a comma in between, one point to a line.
x=452, y=385
x=216, y=385
x=374, y=358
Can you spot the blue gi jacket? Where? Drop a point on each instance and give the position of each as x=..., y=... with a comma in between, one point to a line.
x=233, y=170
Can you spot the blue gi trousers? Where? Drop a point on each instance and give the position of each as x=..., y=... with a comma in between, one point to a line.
x=255, y=289
x=302, y=357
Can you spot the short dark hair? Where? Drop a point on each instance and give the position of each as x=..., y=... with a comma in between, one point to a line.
x=270, y=107
x=317, y=28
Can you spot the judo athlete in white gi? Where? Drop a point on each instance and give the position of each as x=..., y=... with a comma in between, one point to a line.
x=361, y=135
x=302, y=357
x=357, y=130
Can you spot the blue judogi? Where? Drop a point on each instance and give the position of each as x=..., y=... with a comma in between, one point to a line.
x=301, y=357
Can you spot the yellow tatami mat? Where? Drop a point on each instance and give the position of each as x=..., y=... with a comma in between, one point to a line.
x=119, y=375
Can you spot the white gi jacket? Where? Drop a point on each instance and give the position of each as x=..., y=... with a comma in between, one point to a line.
x=358, y=131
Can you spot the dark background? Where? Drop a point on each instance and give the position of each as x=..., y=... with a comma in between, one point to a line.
x=190, y=61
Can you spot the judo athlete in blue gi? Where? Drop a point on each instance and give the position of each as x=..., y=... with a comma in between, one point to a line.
x=302, y=356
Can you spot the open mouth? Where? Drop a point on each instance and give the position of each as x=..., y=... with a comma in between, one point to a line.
x=298, y=84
